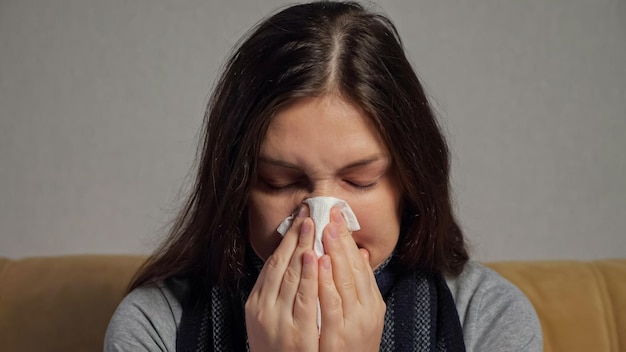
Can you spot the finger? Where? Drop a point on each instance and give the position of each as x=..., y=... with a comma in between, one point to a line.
x=372, y=280
x=305, y=305
x=330, y=301
x=356, y=266
x=277, y=263
x=365, y=253
x=365, y=282
x=293, y=273
x=347, y=261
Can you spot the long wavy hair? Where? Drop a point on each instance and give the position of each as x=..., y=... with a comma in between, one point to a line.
x=311, y=50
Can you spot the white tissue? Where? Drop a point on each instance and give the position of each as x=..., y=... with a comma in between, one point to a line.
x=319, y=209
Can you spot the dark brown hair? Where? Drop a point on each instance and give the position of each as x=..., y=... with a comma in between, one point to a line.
x=311, y=50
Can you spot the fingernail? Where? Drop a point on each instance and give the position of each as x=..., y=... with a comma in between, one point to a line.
x=326, y=262
x=302, y=211
x=332, y=231
x=337, y=217
x=305, y=228
x=307, y=259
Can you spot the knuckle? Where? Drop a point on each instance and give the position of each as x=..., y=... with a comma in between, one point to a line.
x=334, y=303
x=254, y=313
x=327, y=283
x=303, y=299
x=347, y=284
x=252, y=303
x=358, y=264
x=274, y=261
x=291, y=276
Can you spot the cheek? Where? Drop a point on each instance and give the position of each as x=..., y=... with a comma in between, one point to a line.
x=380, y=228
x=264, y=216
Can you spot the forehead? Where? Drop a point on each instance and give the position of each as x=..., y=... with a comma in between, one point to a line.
x=322, y=124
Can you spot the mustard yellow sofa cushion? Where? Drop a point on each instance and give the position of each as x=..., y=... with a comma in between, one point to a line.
x=64, y=303
x=60, y=303
x=581, y=305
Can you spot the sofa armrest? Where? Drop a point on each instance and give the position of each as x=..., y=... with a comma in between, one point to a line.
x=61, y=303
x=581, y=304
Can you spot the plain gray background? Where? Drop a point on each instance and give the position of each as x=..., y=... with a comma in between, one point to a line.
x=101, y=102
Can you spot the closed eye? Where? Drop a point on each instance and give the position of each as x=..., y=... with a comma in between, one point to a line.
x=278, y=187
x=275, y=187
x=359, y=185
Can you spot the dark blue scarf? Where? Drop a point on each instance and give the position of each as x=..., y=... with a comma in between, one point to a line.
x=421, y=314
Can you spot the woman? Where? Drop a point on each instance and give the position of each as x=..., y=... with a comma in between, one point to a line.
x=320, y=100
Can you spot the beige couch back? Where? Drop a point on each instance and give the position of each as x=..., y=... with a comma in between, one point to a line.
x=65, y=303
x=60, y=303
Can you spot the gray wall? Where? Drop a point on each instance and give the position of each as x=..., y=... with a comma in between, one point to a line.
x=101, y=101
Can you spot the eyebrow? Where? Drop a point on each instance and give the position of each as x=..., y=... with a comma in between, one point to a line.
x=353, y=165
x=277, y=162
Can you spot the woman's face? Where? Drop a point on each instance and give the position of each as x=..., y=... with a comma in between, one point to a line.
x=325, y=146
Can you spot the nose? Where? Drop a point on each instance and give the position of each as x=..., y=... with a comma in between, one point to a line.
x=322, y=188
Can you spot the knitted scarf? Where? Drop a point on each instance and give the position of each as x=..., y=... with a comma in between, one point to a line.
x=421, y=314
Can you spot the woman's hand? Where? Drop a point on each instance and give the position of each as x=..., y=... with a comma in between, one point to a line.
x=281, y=310
x=353, y=310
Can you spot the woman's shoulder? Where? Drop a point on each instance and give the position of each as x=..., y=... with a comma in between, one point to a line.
x=146, y=320
x=494, y=313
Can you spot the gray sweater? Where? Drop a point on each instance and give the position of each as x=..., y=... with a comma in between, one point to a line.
x=494, y=314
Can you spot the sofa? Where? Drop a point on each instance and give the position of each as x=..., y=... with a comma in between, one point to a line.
x=64, y=303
